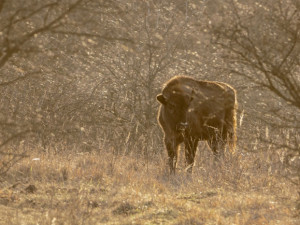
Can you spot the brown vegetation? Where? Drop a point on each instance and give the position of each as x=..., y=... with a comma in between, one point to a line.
x=79, y=140
x=102, y=188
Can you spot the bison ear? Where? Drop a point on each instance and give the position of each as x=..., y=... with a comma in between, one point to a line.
x=161, y=99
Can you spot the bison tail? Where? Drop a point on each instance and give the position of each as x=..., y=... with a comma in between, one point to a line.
x=230, y=118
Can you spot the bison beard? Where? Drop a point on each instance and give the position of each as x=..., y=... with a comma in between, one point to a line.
x=193, y=111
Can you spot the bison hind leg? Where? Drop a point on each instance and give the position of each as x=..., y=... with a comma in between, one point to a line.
x=217, y=145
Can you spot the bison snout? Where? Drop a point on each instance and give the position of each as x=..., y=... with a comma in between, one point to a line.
x=182, y=126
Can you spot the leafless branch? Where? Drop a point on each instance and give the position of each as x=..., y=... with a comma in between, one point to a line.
x=18, y=79
x=13, y=47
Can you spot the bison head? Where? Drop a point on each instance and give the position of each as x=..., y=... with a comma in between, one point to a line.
x=175, y=108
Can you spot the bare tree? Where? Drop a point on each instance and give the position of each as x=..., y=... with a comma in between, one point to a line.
x=21, y=24
x=84, y=72
x=260, y=42
x=135, y=75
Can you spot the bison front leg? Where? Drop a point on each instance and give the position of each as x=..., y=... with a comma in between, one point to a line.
x=172, y=148
x=190, y=152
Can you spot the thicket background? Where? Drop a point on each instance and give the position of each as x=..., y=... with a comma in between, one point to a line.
x=82, y=75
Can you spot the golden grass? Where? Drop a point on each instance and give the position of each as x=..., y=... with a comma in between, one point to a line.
x=100, y=188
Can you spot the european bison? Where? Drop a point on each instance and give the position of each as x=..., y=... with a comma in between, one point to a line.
x=193, y=110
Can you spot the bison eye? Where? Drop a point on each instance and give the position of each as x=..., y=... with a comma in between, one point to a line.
x=172, y=107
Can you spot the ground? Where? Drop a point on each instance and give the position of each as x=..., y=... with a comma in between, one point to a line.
x=102, y=188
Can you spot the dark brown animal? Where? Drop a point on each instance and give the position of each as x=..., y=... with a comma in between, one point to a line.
x=193, y=110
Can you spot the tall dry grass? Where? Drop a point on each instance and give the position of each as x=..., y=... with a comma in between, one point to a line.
x=100, y=187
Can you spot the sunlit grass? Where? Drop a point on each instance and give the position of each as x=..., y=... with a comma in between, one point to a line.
x=101, y=188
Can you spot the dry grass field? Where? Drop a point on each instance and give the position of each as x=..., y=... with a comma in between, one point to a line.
x=101, y=188
x=79, y=138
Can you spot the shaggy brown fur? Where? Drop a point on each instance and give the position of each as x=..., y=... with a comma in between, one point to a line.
x=193, y=110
